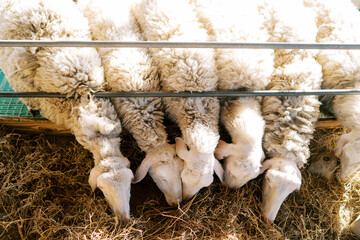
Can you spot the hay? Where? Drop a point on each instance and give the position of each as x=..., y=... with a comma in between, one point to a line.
x=45, y=195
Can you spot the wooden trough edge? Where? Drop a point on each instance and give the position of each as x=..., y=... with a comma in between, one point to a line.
x=44, y=126
x=34, y=125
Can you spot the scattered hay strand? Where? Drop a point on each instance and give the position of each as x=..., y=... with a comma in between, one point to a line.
x=45, y=195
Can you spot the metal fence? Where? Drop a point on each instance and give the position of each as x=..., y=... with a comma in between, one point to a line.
x=163, y=44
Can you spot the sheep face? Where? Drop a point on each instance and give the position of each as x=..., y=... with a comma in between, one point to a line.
x=198, y=169
x=239, y=170
x=324, y=165
x=164, y=168
x=348, y=149
x=193, y=181
x=167, y=178
x=115, y=187
x=282, y=178
x=242, y=162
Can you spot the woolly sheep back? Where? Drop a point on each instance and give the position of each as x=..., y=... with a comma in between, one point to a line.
x=127, y=69
x=62, y=70
x=185, y=70
x=132, y=69
x=290, y=120
x=182, y=69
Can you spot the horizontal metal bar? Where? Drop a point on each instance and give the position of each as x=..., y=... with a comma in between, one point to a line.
x=165, y=44
x=192, y=94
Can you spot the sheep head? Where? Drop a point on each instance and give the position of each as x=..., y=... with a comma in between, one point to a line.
x=115, y=185
x=348, y=149
x=164, y=168
x=324, y=164
x=282, y=178
x=242, y=162
x=198, y=169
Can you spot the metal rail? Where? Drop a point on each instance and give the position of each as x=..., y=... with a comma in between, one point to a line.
x=165, y=44
x=192, y=94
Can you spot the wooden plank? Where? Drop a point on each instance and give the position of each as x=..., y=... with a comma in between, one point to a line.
x=44, y=126
x=327, y=124
x=34, y=125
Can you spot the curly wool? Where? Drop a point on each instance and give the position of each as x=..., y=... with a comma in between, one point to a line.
x=93, y=121
x=237, y=21
x=290, y=120
x=64, y=70
x=127, y=69
x=340, y=68
x=238, y=69
x=183, y=69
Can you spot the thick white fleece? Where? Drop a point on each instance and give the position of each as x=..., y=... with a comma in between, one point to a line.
x=132, y=69
x=237, y=21
x=183, y=69
x=127, y=69
x=338, y=22
x=290, y=120
x=64, y=70
x=93, y=121
x=240, y=69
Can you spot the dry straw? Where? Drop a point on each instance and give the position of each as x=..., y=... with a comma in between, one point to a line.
x=45, y=195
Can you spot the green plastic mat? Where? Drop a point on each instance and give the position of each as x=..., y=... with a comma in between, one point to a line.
x=12, y=107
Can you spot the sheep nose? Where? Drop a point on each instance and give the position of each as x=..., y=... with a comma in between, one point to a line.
x=265, y=219
x=187, y=197
x=122, y=214
x=173, y=202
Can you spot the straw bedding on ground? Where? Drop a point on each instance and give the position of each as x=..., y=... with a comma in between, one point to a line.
x=45, y=195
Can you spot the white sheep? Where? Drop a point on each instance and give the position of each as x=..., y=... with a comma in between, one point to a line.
x=131, y=69
x=73, y=70
x=185, y=70
x=239, y=69
x=289, y=120
x=339, y=22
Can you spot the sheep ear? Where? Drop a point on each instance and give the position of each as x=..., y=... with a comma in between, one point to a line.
x=262, y=156
x=181, y=149
x=142, y=170
x=340, y=145
x=218, y=169
x=94, y=174
x=222, y=150
x=265, y=166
